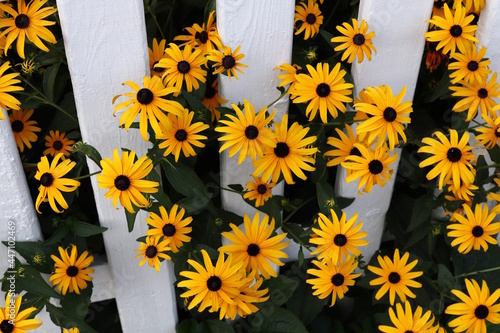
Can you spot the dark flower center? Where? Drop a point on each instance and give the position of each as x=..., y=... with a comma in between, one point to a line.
x=251, y=132
x=47, y=179
x=472, y=66
x=210, y=92
x=181, y=135
x=145, y=96
x=72, y=271
x=122, y=182
x=375, y=167
x=281, y=149
x=355, y=152
x=228, y=62
x=168, y=230
x=439, y=4
x=497, y=132
x=394, y=278
x=340, y=240
x=477, y=231
x=338, y=280
x=183, y=67
x=323, y=90
x=454, y=154
x=22, y=21
x=456, y=30
x=481, y=312
x=390, y=114
x=57, y=145
x=214, y=283
x=253, y=250
x=17, y=126
x=151, y=251
x=482, y=93
x=475, y=20
x=262, y=189
x=358, y=39
x=201, y=36
x=432, y=46
x=300, y=71
x=157, y=69
x=408, y=331
x=6, y=327
x=310, y=18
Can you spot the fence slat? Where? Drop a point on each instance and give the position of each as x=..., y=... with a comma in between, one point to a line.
x=399, y=28
x=264, y=29
x=104, y=48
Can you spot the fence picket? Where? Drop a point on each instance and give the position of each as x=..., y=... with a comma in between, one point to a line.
x=105, y=48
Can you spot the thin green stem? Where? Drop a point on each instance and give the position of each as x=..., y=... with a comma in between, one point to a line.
x=87, y=176
x=494, y=165
x=331, y=14
x=279, y=97
x=478, y=272
x=231, y=190
x=156, y=20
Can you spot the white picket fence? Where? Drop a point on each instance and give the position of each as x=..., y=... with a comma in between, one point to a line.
x=106, y=45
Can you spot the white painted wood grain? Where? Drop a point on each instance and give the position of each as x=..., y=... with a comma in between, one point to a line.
x=104, y=48
x=399, y=27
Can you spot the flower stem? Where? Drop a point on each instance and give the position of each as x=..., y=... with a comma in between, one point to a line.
x=478, y=272
x=279, y=97
x=87, y=176
x=156, y=21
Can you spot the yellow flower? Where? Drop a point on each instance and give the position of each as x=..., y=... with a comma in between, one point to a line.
x=125, y=181
x=475, y=309
x=71, y=272
x=226, y=61
x=475, y=230
x=356, y=41
x=205, y=38
x=23, y=128
x=310, y=18
x=17, y=322
x=470, y=66
x=395, y=276
x=490, y=136
x=243, y=303
x=255, y=247
x=155, y=55
x=52, y=183
x=246, y=133
x=407, y=321
x=152, y=250
x=289, y=76
x=172, y=226
x=72, y=330
x=27, y=22
x=7, y=85
x=212, y=99
x=343, y=147
x=260, y=191
x=58, y=143
x=325, y=91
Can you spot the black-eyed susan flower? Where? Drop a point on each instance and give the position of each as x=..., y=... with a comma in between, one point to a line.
x=72, y=330
x=27, y=22
x=170, y=225
x=155, y=55
x=147, y=102
x=212, y=99
x=309, y=18
x=452, y=158
x=395, y=276
x=183, y=66
x=212, y=286
x=152, y=250
x=434, y=57
x=58, y=143
x=71, y=271
x=464, y=192
x=246, y=133
x=471, y=67
x=182, y=135
x=405, y=320
x=258, y=190
x=475, y=308
x=289, y=75
x=356, y=41
x=388, y=114
x=23, y=128
x=438, y=9
x=338, y=239
x=325, y=91
x=372, y=167
x=206, y=38
x=474, y=230
x=454, y=30
x=289, y=154
x=476, y=95
x=474, y=6
x=17, y=321
x=490, y=135
x=125, y=181
x=333, y=277
x=7, y=85
x=227, y=62
x=342, y=146
x=244, y=302
x=52, y=183
x=255, y=247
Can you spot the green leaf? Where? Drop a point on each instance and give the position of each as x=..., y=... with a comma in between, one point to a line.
x=320, y=174
x=78, y=305
x=281, y=289
x=303, y=303
x=236, y=187
x=271, y=207
x=301, y=256
x=89, y=151
x=61, y=317
x=186, y=326
x=84, y=229
x=32, y=282
x=446, y=281
x=325, y=195
x=421, y=212
x=213, y=326
x=28, y=250
x=49, y=79
x=278, y=321
x=184, y=180
x=130, y=220
x=442, y=89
